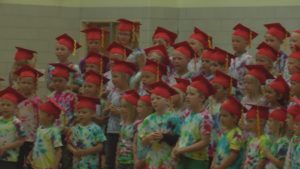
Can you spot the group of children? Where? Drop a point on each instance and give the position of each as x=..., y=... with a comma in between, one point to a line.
x=185, y=105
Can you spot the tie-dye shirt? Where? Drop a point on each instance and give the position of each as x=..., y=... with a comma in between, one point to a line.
x=66, y=100
x=10, y=131
x=48, y=139
x=254, y=151
x=84, y=137
x=28, y=114
x=293, y=156
x=230, y=141
x=125, y=145
x=194, y=127
x=279, y=150
x=159, y=154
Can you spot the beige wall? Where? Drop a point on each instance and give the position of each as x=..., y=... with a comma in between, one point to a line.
x=36, y=27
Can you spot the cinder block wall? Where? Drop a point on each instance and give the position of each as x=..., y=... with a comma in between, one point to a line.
x=36, y=27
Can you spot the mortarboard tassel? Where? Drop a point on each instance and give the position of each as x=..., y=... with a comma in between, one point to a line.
x=100, y=66
x=102, y=39
x=250, y=39
x=258, y=123
x=157, y=73
x=74, y=48
x=209, y=42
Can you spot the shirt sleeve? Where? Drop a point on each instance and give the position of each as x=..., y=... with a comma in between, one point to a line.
x=56, y=138
x=99, y=135
x=235, y=141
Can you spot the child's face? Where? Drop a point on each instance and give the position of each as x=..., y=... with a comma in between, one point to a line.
x=179, y=61
x=94, y=46
x=160, y=41
x=154, y=56
x=176, y=99
x=294, y=41
x=227, y=120
x=194, y=97
x=214, y=66
x=119, y=78
x=85, y=115
x=249, y=83
x=143, y=109
x=90, y=89
x=8, y=108
x=26, y=85
x=196, y=45
x=125, y=108
x=297, y=128
x=205, y=65
x=273, y=41
x=270, y=95
x=265, y=61
x=59, y=83
x=62, y=52
x=220, y=90
x=293, y=65
x=239, y=44
x=295, y=88
x=159, y=103
x=45, y=118
x=290, y=122
x=93, y=67
x=148, y=78
x=124, y=37
x=113, y=56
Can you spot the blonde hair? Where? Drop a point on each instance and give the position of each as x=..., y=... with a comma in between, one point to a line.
x=257, y=90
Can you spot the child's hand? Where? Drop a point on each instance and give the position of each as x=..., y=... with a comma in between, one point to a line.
x=176, y=152
x=114, y=110
x=155, y=136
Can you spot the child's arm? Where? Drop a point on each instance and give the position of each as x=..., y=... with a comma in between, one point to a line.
x=15, y=144
x=194, y=147
x=84, y=152
x=261, y=164
x=277, y=162
x=152, y=137
x=227, y=161
x=58, y=154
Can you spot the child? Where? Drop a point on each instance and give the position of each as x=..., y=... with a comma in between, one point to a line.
x=294, y=40
x=275, y=36
x=276, y=154
x=22, y=57
x=152, y=72
x=191, y=150
x=241, y=39
x=181, y=56
x=229, y=152
x=96, y=63
x=12, y=135
x=160, y=130
x=277, y=93
x=128, y=129
x=65, y=47
x=253, y=80
x=28, y=109
x=199, y=41
x=257, y=117
x=178, y=100
x=95, y=38
x=219, y=60
x=293, y=157
x=295, y=85
x=163, y=36
x=205, y=67
x=87, y=138
x=158, y=54
x=293, y=62
x=121, y=74
x=292, y=112
x=144, y=109
x=267, y=56
x=46, y=152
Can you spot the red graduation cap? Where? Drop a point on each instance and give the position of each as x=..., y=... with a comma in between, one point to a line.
x=162, y=89
x=233, y=106
x=127, y=25
x=182, y=84
x=28, y=71
x=146, y=99
x=206, y=54
x=294, y=110
x=185, y=49
x=260, y=112
x=277, y=30
x=295, y=77
x=68, y=41
x=61, y=70
x=131, y=96
x=297, y=31
x=95, y=78
x=95, y=58
x=203, y=85
x=123, y=66
x=224, y=80
x=161, y=49
x=163, y=33
x=265, y=50
x=221, y=56
x=278, y=115
x=51, y=107
x=202, y=37
x=87, y=102
x=297, y=119
x=94, y=33
x=12, y=95
x=259, y=72
x=244, y=32
x=155, y=68
x=295, y=54
x=116, y=48
x=280, y=85
x=24, y=54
